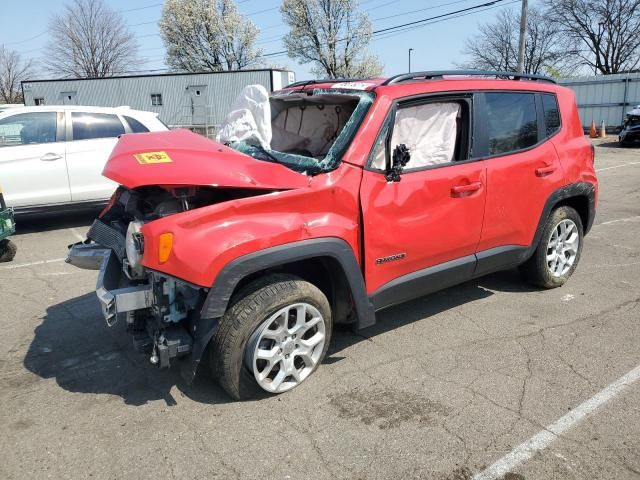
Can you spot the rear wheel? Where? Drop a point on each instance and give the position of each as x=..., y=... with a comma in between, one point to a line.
x=8, y=250
x=558, y=253
x=272, y=338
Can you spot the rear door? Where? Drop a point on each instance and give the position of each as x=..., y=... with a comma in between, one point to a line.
x=32, y=159
x=523, y=169
x=420, y=233
x=93, y=136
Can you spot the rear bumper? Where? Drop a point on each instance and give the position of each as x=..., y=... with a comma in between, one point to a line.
x=114, y=298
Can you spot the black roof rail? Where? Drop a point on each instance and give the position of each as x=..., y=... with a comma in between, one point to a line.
x=439, y=74
x=304, y=83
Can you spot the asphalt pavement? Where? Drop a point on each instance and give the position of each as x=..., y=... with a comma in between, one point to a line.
x=492, y=379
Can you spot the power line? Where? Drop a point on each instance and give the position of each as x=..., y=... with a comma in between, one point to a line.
x=416, y=22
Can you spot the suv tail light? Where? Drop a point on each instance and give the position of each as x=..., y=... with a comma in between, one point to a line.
x=593, y=155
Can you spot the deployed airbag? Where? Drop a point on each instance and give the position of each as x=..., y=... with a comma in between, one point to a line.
x=429, y=131
x=249, y=120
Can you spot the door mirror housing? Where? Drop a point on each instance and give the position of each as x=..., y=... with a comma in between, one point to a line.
x=399, y=160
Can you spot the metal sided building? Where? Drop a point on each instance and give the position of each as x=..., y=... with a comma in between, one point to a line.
x=192, y=100
x=605, y=97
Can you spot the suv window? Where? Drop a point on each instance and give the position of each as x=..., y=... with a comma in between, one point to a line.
x=551, y=113
x=95, y=125
x=511, y=120
x=28, y=128
x=433, y=133
x=135, y=125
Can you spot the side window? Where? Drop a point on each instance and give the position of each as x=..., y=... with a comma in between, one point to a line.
x=28, y=129
x=95, y=125
x=551, y=114
x=156, y=99
x=511, y=122
x=135, y=125
x=434, y=133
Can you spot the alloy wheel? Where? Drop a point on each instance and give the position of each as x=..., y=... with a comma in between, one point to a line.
x=285, y=349
x=562, y=248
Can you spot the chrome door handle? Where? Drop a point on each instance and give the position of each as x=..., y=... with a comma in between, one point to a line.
x=50, y=157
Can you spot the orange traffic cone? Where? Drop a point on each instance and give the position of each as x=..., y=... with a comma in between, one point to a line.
x=592, y=131
x=603, y=130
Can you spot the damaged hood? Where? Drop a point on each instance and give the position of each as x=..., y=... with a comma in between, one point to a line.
x=181, y=157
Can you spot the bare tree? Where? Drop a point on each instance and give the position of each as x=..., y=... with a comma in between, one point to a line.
x=13, y=70
x=208, y=35
x=333, y=35
x=605, y=33
x=495, y=47
x=89, y=39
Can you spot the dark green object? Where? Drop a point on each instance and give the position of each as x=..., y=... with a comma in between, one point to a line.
x=7, y=227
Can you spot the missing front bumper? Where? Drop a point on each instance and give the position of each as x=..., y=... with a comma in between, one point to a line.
x=114, y=298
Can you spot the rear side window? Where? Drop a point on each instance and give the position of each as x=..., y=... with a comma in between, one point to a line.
x=511, y=122
x=551, y=114
x=95, y=125
x=135, y=125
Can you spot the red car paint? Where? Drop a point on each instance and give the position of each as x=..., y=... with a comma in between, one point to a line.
x=191, y=159
x=432, y=216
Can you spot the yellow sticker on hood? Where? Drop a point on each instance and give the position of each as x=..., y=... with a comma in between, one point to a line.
x=153, y=157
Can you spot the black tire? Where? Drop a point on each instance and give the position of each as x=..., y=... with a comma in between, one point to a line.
x=535, y=270
x=8, y=250
x=249, y=309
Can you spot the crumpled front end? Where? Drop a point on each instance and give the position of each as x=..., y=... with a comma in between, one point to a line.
x=161, y=312
x=155, y=307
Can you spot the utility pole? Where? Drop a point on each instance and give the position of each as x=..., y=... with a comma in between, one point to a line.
x=523, y=35
x=410, y=50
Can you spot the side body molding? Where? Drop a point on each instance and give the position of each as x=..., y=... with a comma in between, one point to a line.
x=220, y=293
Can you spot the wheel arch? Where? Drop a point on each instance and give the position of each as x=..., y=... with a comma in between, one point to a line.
x=580, y=195
x=329, y=263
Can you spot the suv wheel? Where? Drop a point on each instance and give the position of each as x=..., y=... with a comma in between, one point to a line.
x=272, y=338
x=558, y=253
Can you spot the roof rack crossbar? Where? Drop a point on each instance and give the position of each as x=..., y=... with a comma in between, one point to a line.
x=439, y=74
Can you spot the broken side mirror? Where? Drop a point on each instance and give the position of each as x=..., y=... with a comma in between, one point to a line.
x=399, y=160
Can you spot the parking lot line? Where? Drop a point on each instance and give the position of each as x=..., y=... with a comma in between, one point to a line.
x=39, y=262
x=543, y=439
x=617, y=166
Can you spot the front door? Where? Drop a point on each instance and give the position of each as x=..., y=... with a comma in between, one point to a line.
x=421, y=232
x=33, y=170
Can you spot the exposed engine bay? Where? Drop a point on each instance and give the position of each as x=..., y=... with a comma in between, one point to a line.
x=156, y=307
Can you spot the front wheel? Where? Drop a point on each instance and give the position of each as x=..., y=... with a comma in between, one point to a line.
x=272, y=338
x=558, y=253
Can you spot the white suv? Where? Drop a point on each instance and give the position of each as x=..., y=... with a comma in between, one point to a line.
x=53, y=156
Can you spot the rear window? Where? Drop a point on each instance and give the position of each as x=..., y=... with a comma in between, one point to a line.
x=551, y=114
x=511, y=121
x=95, y=125
x=135, y=125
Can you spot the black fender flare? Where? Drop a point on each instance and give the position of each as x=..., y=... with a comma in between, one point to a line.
x=572, y=190
x=205, y=322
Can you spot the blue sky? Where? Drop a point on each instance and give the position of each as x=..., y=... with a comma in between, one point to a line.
x=435, y=46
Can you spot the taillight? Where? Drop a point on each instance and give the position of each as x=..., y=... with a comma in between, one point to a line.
x=593, y=155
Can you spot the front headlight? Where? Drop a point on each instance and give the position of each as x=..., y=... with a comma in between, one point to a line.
x=134, y=244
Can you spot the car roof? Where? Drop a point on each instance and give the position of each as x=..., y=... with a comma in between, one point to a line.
x=436, y=80
x=123, y=110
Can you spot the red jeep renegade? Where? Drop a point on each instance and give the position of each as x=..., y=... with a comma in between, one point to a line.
x=371, y=193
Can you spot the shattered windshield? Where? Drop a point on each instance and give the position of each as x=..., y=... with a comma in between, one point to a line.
x=309, y=130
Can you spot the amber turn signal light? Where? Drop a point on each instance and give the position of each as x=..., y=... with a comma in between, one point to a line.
x=164, y=246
